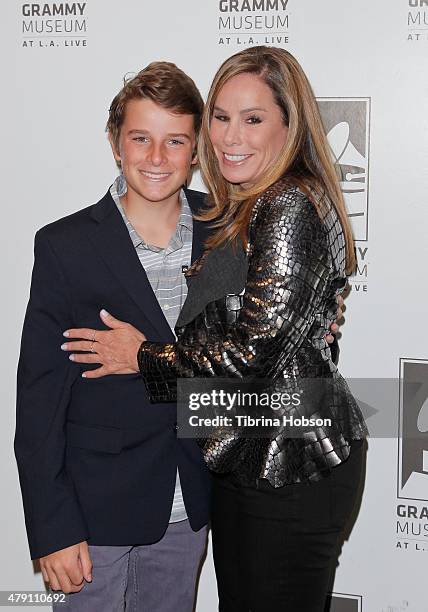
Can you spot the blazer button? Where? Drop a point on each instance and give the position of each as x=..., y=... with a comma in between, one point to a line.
x=176, y=427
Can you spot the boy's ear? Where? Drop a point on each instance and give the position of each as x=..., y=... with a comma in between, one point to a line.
x=113, y=148
x=194, y=154
x=192, y=168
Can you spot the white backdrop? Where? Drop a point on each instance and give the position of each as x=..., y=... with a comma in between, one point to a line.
x=367, y=61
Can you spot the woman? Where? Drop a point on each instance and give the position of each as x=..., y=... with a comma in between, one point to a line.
x=280, y=502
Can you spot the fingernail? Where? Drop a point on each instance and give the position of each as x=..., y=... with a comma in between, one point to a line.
x=83, y=375
x=104, y=313
x=66, y=334
x=90, y=578
x=71, y=357
x=63, y=347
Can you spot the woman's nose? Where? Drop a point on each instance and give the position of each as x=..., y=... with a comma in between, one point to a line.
x=232, y=134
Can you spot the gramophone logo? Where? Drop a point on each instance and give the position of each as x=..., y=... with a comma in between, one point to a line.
x=347, y=125
x=413, y=430
x=342, y=602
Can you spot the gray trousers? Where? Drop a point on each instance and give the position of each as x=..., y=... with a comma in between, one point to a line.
x=158, y=577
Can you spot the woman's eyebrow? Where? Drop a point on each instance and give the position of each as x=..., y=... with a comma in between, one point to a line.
x=244, y=110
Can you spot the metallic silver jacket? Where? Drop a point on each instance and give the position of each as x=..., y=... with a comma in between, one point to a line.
x=275, y=330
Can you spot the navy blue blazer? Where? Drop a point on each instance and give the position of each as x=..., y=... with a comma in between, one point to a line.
x=97, y=461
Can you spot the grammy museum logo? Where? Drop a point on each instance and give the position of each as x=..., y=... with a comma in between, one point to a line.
x=50, y=25
x=417, y=20
x=253, y=22
x=412, y=484
x=347, y=125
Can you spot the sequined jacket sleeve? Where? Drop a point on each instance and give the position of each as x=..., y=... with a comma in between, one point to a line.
x=289, y=269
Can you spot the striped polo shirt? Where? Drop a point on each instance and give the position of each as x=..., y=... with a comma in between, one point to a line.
x=164, y=272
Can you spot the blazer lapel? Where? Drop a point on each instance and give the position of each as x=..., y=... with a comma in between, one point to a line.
x=112, y=241
x=200, y=234
x=223, y=272
x=201, y=229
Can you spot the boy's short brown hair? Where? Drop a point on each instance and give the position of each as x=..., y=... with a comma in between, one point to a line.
x=164, y=84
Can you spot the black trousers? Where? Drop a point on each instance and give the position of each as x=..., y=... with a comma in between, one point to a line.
x=275, y=550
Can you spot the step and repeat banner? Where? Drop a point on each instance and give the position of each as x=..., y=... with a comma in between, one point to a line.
x=63, y=62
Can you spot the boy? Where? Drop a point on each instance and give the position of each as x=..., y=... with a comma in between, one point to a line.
x=105, y=481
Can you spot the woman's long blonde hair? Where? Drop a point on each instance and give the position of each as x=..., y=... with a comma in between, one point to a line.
x=305, y=160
